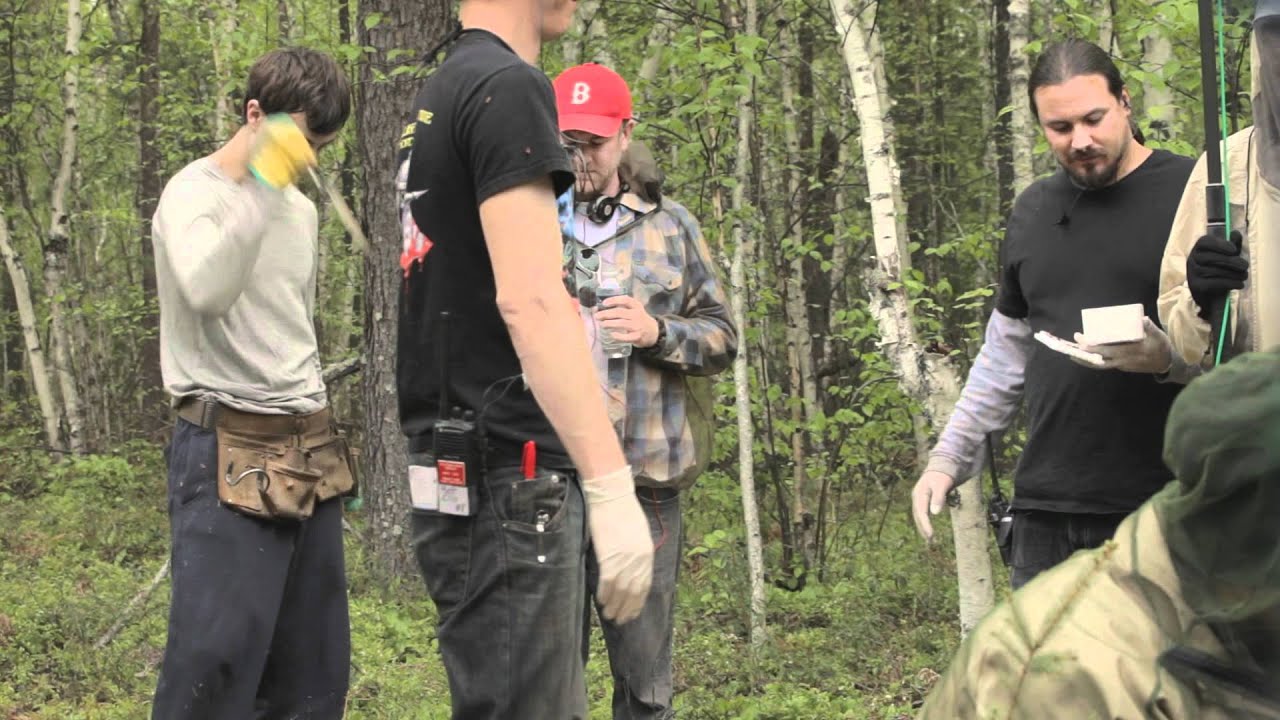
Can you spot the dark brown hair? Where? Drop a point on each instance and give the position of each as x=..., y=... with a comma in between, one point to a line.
x=1070, y=58
x=298, y=79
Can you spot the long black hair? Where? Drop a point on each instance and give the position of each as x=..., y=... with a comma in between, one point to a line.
x=1070, y=58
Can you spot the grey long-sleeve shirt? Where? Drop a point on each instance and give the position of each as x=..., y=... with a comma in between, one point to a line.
x=989, y=400
x=236, y=275
x=993, y=393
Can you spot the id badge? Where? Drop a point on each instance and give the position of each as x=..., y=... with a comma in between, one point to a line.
x=457, y=493
x=424, y=487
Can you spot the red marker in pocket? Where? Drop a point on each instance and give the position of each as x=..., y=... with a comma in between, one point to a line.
x=529, y=462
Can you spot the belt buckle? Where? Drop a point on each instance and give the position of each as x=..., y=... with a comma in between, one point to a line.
x=208, y=414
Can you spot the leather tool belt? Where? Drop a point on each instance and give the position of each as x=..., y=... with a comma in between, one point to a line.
x=275, y=466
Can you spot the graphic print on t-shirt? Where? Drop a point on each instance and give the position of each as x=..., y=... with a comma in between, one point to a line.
x=416, y=243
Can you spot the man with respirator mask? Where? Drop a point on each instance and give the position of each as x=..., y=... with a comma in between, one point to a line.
x=1199, y=268
x=658, y=323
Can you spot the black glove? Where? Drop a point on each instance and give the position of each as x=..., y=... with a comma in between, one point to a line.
x=1214, y=268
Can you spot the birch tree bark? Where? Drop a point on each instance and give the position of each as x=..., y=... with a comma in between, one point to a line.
x=1022, y=126
x=743, y=252
x=1107, y=27
x=284, y=24
x=924, y=377
x=58, y=240
x=40, y=378
x=588, y=41
x=222, y=26
x=1157, y=97
x=656, y=42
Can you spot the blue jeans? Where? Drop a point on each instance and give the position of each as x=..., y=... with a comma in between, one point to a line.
x=509, y=596
x=640, y=650
x=1042, y=539
x=258, y=624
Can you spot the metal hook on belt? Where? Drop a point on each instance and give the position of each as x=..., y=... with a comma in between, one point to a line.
x=264, y=480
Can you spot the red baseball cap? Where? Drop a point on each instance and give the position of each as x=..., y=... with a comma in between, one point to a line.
x=592, y=98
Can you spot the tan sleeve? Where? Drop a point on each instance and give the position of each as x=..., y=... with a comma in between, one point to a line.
x=1178, y=312
x=999, y=674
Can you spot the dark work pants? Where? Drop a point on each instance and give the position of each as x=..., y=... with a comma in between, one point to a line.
x=258, y=625
x=508, y=584
x=1043, y=539
x=640, y=650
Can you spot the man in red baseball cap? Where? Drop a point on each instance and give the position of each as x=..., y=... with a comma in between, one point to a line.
x=594, y=104
x=659, y=326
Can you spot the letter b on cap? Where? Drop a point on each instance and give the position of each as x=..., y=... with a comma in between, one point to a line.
x=581, y=93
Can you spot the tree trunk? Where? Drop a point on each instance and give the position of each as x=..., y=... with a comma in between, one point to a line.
x=222, y=26
x=926, y=378
x=803, y=399
x=743, y=252
x=284, y=25
x=58, y=241
x=1157, y=98
x=407, y=28
x=343, y=342
x=1002, y=138
x=1107, y=27
x=148, y=195
x=40, y=378
x=656, y=43
x=589, y=39
x=1022, y=126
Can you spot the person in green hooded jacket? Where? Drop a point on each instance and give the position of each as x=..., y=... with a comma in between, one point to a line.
x=1178, y=616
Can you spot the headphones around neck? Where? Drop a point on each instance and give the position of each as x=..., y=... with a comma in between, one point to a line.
x=601, y=210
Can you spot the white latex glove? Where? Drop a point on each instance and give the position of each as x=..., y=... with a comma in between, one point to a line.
x=1152, y=354
x=928, y=497
x=623, y=547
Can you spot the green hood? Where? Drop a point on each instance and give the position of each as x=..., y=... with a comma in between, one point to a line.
x=1221, y=517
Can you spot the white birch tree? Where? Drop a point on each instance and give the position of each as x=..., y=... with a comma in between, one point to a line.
x=58, y=240
x=40, y=378
x=1022, y=126
x=926, y=378
x=744, y=252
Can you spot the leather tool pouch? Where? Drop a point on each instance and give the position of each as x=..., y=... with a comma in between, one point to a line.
x=281, y=476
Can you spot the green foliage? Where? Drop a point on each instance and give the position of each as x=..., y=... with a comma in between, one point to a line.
x=81, y=538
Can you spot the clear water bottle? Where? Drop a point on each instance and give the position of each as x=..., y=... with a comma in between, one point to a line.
x=611, y=284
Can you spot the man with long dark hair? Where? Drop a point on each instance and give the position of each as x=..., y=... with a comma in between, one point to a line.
x=1090, y=235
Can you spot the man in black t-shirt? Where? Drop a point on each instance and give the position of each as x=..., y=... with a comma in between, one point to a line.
x=506, y=486
x=1091, y=235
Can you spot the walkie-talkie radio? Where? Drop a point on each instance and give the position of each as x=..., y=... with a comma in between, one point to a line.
x=455, y=442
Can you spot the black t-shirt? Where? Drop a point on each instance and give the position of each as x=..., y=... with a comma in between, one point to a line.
x=483, y=122
x=1094, y=438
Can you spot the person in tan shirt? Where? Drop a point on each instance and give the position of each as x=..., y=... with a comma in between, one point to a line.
x=1197, y=268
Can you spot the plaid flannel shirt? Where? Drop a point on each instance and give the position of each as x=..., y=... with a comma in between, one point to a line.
x=660, y=398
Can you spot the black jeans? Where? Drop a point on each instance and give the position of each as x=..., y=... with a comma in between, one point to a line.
x=640, y=650
x=1043, y=539
x=508, y=584
x=258, y=624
